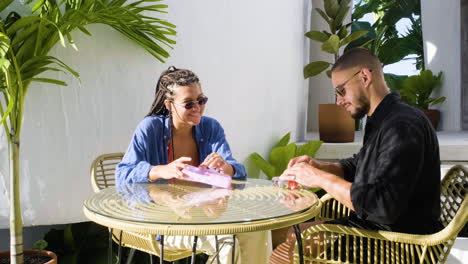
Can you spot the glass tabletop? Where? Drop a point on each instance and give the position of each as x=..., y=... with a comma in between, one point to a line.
x=179, y=202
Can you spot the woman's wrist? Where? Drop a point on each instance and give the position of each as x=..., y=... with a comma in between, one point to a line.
x=153, y=173
x=229, y=169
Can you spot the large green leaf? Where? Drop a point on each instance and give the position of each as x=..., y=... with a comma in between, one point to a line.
x=394, y=82
x=343, y=32
x=4, y=64
x=280, y=157
x=284, y=140
x=362, y=41
x=332, y=45
x=417, y=89
x=4, y=44
x=48, y=80
x=323, y=15
x=437, y=100
x=68, y=238
x=353, y=36
x=317, y=35
x=342, y=12
x=4, y=4
x=9, y=99
x=364, y=7
x=392, y=51
x=315, y=68
x=331, y=8
x=21, y=23
x=263, y=165
x=309, y=149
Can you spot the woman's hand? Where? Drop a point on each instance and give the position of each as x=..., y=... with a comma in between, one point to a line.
x=215, y=161
x=169, y=171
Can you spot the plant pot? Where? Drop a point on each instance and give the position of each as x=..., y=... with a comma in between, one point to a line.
x=434, y=116
x=335, y=124
x=45, y=253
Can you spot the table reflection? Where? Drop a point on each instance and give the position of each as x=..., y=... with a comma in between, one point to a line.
x=212, y=202
x=182, y=202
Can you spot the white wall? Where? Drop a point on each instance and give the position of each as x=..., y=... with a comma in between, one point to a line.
x=248, y=55
x=441, y=36
x=320, y=87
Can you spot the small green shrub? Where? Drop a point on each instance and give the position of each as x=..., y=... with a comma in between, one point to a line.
x=281, y=154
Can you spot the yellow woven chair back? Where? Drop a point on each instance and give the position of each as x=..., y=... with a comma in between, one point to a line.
x=103, y=176
x=341, y=244
x=454, y=191
x=103, y=170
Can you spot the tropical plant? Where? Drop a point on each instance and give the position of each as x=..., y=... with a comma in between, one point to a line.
x=394, y=81
x=25, y=43
x=416, y=90
x=338, y=36
x=281, y=154
x=383, y=38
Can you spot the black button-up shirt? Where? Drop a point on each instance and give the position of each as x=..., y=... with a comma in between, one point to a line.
x=396, y=174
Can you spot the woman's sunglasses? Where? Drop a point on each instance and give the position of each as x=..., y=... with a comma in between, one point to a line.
x=191, y=104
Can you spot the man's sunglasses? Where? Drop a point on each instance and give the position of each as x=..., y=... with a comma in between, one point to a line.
x=340, y=89
x=191, y=104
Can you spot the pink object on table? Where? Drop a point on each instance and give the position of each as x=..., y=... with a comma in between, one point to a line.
x=208, y=176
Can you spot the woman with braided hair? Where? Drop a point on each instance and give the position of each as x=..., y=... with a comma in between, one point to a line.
x=175, y=134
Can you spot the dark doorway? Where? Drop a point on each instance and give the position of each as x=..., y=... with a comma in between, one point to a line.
x=464, y=62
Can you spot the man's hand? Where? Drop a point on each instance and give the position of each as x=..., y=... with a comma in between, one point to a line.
x=303, y=159
x=310, y=176
x=303, y=173
x=171, y=170
x=296, y=202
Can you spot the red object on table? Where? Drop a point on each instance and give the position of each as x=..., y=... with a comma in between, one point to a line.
x=292, y=185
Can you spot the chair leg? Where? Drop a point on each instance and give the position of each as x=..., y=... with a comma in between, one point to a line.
x=119, y=252
x=161, y=256
x=297, y=231
x=130, y=256
x=217, y=249
x=109, y=249
x=151, y=258
x=233, y=256
x=194, y=249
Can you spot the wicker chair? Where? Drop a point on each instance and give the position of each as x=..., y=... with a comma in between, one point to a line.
x=103, y=176
x=353, y=245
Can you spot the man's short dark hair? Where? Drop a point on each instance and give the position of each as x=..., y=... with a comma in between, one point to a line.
x=357, y=57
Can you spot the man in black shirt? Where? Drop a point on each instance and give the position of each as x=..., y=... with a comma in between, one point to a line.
x=393, y=183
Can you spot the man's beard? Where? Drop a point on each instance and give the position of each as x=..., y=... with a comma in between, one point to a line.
x=362, y=109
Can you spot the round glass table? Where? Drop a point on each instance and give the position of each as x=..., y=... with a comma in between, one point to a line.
x=177, y=207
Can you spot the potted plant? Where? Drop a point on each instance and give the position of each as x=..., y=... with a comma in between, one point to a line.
x=25, y=43
x=281, y=154
x=416, y=90
x=37, y=255
x=335, y=123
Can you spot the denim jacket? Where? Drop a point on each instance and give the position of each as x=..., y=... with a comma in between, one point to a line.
x=148, y=148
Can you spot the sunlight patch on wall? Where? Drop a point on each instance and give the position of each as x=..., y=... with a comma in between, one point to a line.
x=431, y=51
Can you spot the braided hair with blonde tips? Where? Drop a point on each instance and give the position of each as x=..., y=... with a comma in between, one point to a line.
x=165, y=88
